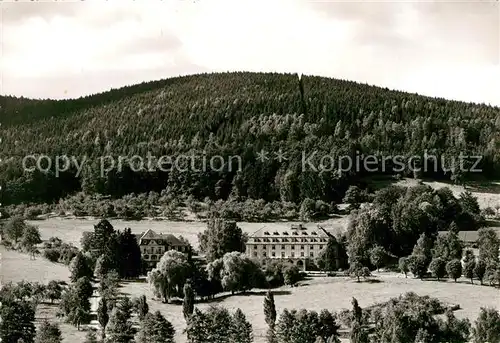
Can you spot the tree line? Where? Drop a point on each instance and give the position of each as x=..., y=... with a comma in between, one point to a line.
x=231, y=114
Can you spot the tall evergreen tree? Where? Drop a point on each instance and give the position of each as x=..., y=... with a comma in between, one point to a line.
x=487, y=326
x=142, y=307
x=130, y=254
x=156, y=329
x=270, y=316
x=241, y=328
x=119, y=328
x=103, y=315
x=188, y=302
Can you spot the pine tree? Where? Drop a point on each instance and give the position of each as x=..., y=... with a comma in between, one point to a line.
x=358, y=334
x=242, y=329
x=156, y=329
x=487, y=326
x=142, y=307
x=130, y=254
x=357, y=311
x=102, y=315
x=188, y=302
x=270, y=316
x=119, y=328
x=126, y=307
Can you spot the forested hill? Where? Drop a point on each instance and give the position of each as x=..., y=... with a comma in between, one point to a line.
x=230, y=114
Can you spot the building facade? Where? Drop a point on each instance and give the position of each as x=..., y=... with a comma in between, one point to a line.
x=297, y=244
x=153, y=246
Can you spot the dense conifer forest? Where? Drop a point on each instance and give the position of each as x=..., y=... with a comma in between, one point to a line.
x=237, y=114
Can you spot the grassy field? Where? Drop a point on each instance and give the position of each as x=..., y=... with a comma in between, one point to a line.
x=336, y=294
x=488, y=195
x=330, y=293
x=15, y=267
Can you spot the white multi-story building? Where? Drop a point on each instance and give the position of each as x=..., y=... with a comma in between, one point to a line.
x=296, y=244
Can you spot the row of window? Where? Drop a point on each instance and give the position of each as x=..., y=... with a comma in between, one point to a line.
x=153, y=257
x=305, y=240
x=160, y=250
x=147, y=241
x=273, y=254
x=295, y=233
x=283, y=247
x=153, y=250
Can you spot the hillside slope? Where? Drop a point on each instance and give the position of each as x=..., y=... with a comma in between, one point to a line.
x=237, y=114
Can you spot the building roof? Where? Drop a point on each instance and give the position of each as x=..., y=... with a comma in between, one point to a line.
x=169, y=238
x=294, y=231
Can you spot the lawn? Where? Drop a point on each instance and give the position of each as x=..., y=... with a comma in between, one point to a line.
x=318, y=293
x=331, y=293
x=15, y=266
x=488, y=195
x=334, y=294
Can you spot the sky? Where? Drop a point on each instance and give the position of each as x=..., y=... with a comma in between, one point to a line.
x=67, y=49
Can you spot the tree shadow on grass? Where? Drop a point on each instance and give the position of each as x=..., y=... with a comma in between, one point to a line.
x=370, y=280
x=484, y=187
x=459, y=281
x=139, y=280
x=218, y=299
x=493, y=223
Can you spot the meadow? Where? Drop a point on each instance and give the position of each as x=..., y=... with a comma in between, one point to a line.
x=314, y=294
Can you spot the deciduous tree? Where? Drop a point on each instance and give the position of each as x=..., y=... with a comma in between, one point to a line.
x=454, y=269
x=79, y=267
x=469, y=265
x=489, y=245
x=17, y=321
x=377, y=256
x=169, y=275
x=14, y=228
x=480, y=270
x=438, y=267
x=221, y=237
x=48, y=333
